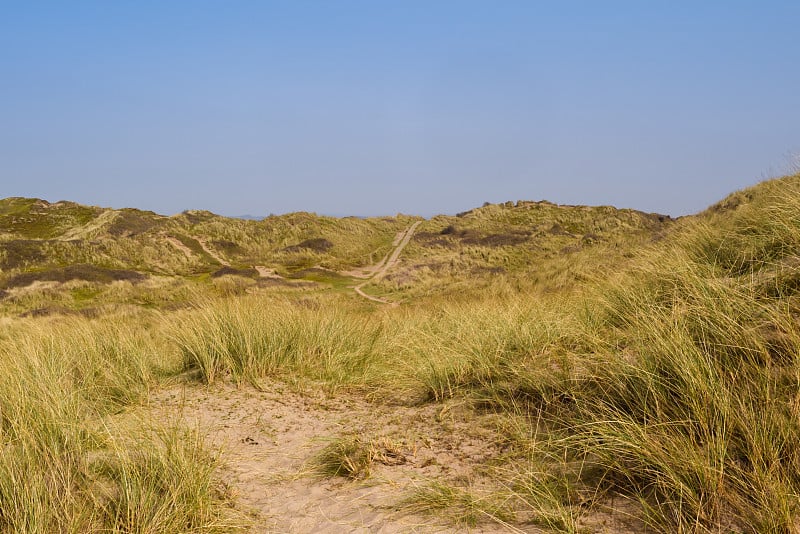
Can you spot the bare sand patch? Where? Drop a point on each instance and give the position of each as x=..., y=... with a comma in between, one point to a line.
x=270, y=439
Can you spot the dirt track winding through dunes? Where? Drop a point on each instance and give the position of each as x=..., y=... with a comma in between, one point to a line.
x=270, y=437
x=388, y=262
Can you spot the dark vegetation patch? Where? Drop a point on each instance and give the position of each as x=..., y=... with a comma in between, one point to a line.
x=430, y=239
x=19, y=252
x=48, y=311
x=469, y=236
x=479, y=270
x=657, y=217
x=424, y=236
x=81, y=271
x=444, y=243
x=421, y=236
x=3, y=294
x=247, y=273
x=197, y=216
x=557, y=229
x=498, y=240
x=130, y=222
x=228, y=247
x=473, y=237
x=317, y=244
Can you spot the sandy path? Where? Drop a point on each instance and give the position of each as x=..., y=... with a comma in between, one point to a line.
x=382, y=300
x=213, y=253
x=370, y=270
x=180, y=246
x=387, y=263
x=269, y=437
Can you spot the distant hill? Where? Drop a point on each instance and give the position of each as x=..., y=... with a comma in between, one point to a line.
x=65, y=242
x=248, y=217
x=534, y=243
x=37, y=234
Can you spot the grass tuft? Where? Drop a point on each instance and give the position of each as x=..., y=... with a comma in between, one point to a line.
x=347, y=456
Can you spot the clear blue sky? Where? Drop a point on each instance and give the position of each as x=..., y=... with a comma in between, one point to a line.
x=379, y=107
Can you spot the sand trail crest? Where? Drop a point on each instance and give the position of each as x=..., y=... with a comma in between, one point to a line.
x=389, y=261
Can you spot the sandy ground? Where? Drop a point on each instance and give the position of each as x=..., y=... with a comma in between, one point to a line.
x=270, y=437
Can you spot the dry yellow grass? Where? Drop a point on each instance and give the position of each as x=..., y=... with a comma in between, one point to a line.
x=671, y=384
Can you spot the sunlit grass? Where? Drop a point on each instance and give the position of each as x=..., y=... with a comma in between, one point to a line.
x=61, y=469
x=671, y=383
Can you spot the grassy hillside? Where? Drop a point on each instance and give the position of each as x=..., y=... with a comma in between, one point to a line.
x=37, y=234
x=631, y=364
x=538, y=245
x=64, y=256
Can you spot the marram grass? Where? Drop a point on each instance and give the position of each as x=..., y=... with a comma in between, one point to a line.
x=674, y=386
x=62, y=469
